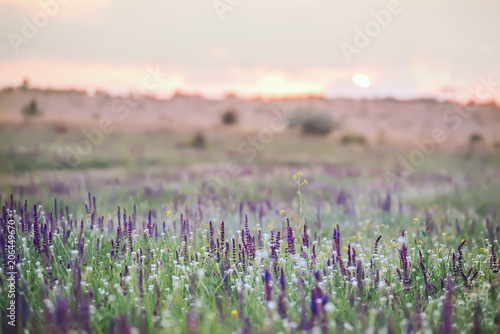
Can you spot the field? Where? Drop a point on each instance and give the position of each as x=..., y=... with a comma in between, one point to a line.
x=148, y=234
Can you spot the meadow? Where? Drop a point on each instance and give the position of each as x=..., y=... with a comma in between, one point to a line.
x=144, y=235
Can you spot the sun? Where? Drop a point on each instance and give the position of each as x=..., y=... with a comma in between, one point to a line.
x=361, y=80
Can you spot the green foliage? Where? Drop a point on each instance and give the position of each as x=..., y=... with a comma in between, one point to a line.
x=475, y=138
x=353, y=138
x=221, y=294
x=312, y=121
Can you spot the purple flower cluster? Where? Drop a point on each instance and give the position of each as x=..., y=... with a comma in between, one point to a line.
x=405, y=264
x=336, y=254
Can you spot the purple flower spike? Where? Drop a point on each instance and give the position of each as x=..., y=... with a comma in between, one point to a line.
x=494, y=263
x=447, y=326
x=267, y=282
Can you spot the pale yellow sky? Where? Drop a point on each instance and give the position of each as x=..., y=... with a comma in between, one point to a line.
x=256, y=47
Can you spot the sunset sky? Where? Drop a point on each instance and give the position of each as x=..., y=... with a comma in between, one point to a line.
x=268, y=48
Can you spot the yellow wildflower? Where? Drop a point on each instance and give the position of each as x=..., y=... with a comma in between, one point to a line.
x=300, y=174
x=234, y=313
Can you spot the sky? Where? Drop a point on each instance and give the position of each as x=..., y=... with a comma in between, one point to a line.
x=446, y=49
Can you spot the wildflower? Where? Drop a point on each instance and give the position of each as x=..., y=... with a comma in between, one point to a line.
x=448, y=308
x=299, y=174
x=234, y=313
x=283, y=212
x=493, y=260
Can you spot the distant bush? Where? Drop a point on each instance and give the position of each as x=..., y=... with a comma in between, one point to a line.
x=312, y=122
x=321, y=124
x=230, y=117
x=353, y=138
x=59, y=128
x=475, y=138
x=198, y=141
x=496, y=145
x=25, y=85
x=31, y=109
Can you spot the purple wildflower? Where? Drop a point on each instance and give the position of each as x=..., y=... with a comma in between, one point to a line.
x=403, y=253
x=36, y=227
x=447, y=326
x=494, y=263
x=282, y=310
x=386, y=204
x=290, y=238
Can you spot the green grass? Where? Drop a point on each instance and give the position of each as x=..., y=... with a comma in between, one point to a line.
x=151, y=171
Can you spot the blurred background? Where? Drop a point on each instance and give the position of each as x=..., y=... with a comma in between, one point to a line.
x=167, y=97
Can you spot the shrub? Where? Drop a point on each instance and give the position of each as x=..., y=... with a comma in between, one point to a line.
x=31, y=109
x=230, y=117
x=475, y=138
x=198, y=141
x=59, y=128
x=353, y=138
x=320, y=124
x=25, y=85
x=312, y=122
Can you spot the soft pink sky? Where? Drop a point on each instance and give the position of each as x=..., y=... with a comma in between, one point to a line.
x=269, y=48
